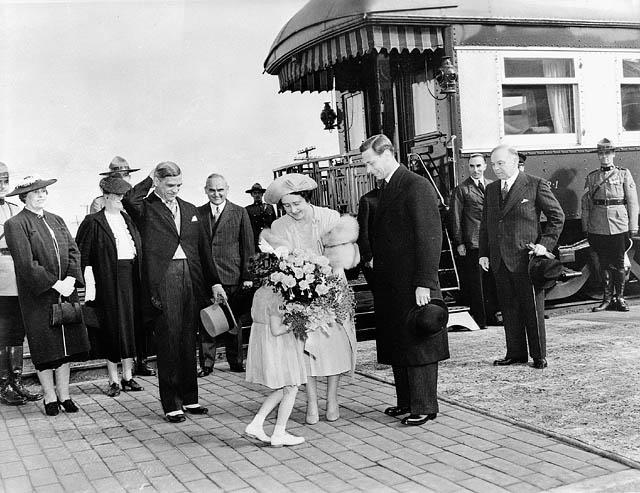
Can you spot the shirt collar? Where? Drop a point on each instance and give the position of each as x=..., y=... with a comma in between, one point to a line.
x=220, y=207
x=510, y=181
x=388, y=178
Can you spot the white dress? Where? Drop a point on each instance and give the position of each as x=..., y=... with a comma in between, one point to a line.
x=273, y=361
x=326, y=354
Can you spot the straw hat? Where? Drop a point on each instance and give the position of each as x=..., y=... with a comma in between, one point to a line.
x=29, y=184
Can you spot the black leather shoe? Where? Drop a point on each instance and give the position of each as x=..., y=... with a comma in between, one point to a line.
x=418, y=419
x=69, y=406
x=113, y=390
x=51, y=408
x=130, y=385
x=236, y=368
x=195, y=410
x=396, y=411
x=204, y=372
x=539, y=364
x=175, y=418
x=508, y=361
x=144, y=370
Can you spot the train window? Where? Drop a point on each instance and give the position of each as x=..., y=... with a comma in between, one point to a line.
x=630, y=95
x=538, y=96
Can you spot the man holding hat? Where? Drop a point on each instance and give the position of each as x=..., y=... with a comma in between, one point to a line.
x=12, y=331
x=609, y=217
x=510, y=232
x=260, y=214
x=407, y=240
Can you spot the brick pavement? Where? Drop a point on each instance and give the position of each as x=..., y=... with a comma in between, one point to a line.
x=123, y=444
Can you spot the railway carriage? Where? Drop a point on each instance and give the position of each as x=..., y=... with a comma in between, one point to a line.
x=446, y=79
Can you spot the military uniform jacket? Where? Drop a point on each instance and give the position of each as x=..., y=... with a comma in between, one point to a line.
x=261, y=217
x=603, y=218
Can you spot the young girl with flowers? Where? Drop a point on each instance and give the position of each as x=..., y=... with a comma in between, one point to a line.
x=274, y=358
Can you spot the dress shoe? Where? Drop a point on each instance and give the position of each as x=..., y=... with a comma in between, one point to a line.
x=508, y=361
x=418, y=419
x=205, y=372
x=621, y=305
x=396, y=411
x=113, y=390
x=237, y=368
x=539, y=364
x=130, y=385
x=144, y=370
x=257, y=432
x=196, y=410
x=51, y=408
x=69, y=406
x=175, y=418
x=286, y=439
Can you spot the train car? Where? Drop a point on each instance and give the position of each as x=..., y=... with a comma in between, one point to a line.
x=447, y=79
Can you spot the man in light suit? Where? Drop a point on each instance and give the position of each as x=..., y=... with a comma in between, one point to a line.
x=407, y=240
x=178, y=279
x=478, y=287
x=509, y=234
x=230, y=239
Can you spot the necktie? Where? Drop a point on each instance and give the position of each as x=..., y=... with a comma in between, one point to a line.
x=503, y=193
x=481, y=186
x=173, y=207
x=216, y=215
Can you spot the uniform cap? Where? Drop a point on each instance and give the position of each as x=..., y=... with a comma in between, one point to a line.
x=606, y=145
x=119, y=165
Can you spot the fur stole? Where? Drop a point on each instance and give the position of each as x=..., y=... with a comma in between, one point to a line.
x=340, y=243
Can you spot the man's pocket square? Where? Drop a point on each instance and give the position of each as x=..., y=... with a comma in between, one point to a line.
x=194, y=219
x=524, y=200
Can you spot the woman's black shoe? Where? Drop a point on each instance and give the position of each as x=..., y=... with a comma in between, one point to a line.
x=52, y=408
x=130, y=385
x=69, y=406
x=396, y=411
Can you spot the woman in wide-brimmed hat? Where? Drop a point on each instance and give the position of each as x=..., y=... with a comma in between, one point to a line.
x=110, y=245
x=47, y=266
x=321, y=231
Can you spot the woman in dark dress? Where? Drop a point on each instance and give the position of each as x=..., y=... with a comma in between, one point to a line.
x=47, y=266
x=109, y=243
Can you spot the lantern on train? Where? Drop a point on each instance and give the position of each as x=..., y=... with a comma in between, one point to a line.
x=447, y=76
x=329, y=117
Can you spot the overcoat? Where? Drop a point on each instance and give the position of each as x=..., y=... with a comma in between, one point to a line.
x=36, y=263
x=231, y=240
x=97, y=246
x=407, y=240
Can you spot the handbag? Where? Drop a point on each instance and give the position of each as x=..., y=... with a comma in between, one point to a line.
x=65, y=313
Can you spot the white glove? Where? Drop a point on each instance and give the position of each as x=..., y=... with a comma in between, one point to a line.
x=64, y=287
x=90, y=284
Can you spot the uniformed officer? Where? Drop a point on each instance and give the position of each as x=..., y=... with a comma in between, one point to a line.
x=261, y=215
x=609, y=217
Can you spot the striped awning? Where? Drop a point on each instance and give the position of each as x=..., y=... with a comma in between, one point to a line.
x=310, y=68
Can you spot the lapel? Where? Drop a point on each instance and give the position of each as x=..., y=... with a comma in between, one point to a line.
x=224, y=217
x=156, y=203
x=206, y=216
x=515, y=194
x=101, y=219
x=473, y=189
x=390, y=192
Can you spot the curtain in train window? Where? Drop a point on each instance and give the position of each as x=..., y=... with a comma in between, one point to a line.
x=538, y=96
x=630, y=95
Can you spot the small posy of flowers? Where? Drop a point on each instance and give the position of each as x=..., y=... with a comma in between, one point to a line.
x=314, y=297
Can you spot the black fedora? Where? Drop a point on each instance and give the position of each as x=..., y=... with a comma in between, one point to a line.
x=544, y=272
x=429, y=319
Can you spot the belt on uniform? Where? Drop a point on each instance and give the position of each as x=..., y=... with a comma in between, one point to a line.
x=610, y=202
x=4, y=251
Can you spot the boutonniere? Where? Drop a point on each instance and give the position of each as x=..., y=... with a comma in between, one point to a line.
x=194, y=219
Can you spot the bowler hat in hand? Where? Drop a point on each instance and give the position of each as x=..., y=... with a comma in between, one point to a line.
x=544, y=272
x=429, y=319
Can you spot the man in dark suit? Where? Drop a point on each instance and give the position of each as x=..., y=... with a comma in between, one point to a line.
x=478, y=287
x=177, y=276
x=509, y=234
x=230, y=238
x=407, y=241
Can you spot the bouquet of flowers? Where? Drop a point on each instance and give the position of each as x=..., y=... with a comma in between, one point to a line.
x=314, y=297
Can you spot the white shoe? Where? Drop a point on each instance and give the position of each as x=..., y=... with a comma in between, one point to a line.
x=286, y=439
x=257, y=432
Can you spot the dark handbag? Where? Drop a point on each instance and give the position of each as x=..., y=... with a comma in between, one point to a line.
x=65, y=313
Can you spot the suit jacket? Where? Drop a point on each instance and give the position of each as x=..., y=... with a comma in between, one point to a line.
x=231, y=241
x=466, y=213
x=160, y=239
x=407, y=241
x=366, y=219
x=505, y=232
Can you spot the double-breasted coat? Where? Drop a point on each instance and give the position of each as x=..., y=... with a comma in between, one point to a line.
x=407, y=240
x=37, y=268
x=98, y=249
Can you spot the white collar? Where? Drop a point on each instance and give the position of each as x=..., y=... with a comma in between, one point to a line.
x=388, y=178
x=220, y=207
x=510, y=181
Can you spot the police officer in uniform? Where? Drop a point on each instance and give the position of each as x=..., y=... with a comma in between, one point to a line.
x=261, y=215
x=609, y=217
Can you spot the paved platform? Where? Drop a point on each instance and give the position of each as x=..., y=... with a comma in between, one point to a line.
x=124, y=444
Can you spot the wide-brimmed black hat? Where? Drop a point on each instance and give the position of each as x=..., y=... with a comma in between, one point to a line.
x=429, y=319
x=119, y=165
x=544, y=272
x=256, y=187
x=114, y=184
x=29, y=184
